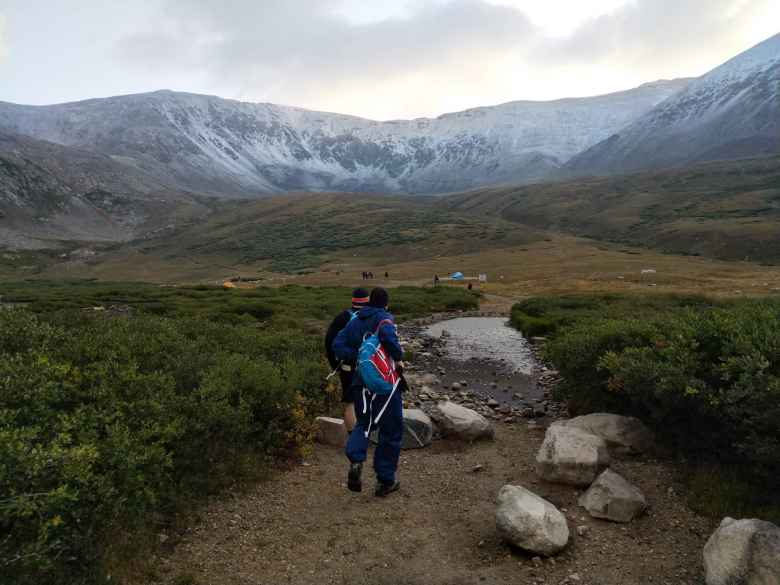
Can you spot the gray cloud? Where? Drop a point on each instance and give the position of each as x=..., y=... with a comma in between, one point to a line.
x=649, y=33
x=261, y=47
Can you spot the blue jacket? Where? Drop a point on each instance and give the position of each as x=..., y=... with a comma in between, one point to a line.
x=347, y=342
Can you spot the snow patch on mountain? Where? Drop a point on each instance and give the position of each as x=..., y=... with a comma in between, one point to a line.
x=732, y=111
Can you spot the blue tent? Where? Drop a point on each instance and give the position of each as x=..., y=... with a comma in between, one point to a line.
x=457, y=276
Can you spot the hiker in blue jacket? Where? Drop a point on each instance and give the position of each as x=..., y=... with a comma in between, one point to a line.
x=384, y=412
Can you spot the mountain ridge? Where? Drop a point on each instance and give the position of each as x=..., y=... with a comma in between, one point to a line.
x=232, y=148
x=731, y=112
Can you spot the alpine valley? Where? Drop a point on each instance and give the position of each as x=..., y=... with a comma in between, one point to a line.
x=143, y=166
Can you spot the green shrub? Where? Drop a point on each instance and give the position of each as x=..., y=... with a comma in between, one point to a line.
x=705, y=375
x=104, y=425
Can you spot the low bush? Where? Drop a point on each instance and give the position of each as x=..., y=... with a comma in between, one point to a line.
x=108, y=420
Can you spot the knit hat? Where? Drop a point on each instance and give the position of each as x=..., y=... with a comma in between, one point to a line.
x=379, y=298
x=359, y=298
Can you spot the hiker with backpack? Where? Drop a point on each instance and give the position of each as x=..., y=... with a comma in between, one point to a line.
x=371, y=340
x=345, y=369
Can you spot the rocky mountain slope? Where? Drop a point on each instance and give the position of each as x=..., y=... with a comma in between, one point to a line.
x=225, y=147
x=731, y=112
x=50, y=193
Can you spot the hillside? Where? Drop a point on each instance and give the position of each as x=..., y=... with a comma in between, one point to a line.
x=303, y=231
x=722, y=210
x=51, y=194
x=731, y=112
x=228, y=148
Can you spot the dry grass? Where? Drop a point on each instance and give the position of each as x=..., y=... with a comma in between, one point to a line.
x=564, y=264
x=555, y=265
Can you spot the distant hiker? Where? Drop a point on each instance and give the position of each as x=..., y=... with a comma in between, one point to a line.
x=371, y=339
x=387, y=275
x=370, y=276
x=435, y=279
x=471, y=286
x=345, y=369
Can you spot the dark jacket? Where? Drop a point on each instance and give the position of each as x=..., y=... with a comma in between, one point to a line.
x=347, y=342
x=336, y=325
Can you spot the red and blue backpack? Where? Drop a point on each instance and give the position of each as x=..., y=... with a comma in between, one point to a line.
x=377, y=369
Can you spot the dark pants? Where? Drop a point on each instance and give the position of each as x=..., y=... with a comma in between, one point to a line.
x=347, y=394
x=385, y=413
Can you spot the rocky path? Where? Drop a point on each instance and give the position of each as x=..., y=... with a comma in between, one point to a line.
x=304, y=527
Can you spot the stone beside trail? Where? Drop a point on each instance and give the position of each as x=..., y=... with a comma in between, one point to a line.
x=571, y=456
x=611, y=497
x=624, y=435
x=460, y=422
x=331, y=431
x=418, y=430
x=743, y=552
x=529, y=522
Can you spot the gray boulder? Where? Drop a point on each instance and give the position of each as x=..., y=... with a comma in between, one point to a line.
x=418, y=430
x=743, y=552
x=460, y=422
x=529, y=522
x=331, y=431
x=611, y=497
x=624, y=435
x=572, y=456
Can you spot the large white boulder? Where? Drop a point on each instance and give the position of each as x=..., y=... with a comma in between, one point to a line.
x=743, y=552
x=611, y=497
x=624, y=435
x=529, y=522
x=331, y=431
x=460, y=422
x=572, y=456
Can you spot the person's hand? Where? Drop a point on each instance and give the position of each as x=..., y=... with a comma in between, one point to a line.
x=399, y=367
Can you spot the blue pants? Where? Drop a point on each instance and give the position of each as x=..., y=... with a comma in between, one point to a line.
x=389, y=410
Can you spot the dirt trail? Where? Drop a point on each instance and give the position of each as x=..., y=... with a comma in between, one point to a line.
x=304, y=527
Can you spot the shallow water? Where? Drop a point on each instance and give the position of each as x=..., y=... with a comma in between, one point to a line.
x=485, y=337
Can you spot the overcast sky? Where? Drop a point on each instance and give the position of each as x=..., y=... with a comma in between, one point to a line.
x=376, y=58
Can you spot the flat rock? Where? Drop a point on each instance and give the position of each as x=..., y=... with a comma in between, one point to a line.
x=529, y=522
x=624, y=435
x=331, y=431
x=611, y=497
x=743, y=552
x=572, y=456
x=460, y=422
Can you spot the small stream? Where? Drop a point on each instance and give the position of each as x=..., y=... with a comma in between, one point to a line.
x=492, y=338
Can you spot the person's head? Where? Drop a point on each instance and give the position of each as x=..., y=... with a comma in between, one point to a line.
x=379, y=298
x=359, y=298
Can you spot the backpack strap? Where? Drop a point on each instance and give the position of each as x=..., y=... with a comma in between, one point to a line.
x=383, y=322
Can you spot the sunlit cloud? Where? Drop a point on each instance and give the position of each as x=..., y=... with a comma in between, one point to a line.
x=379, y=59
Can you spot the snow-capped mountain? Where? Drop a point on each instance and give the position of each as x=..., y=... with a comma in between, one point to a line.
x=212, y=145
x=731, y=112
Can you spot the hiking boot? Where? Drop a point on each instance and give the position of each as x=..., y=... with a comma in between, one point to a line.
x=384, y=489
x=353, y=477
